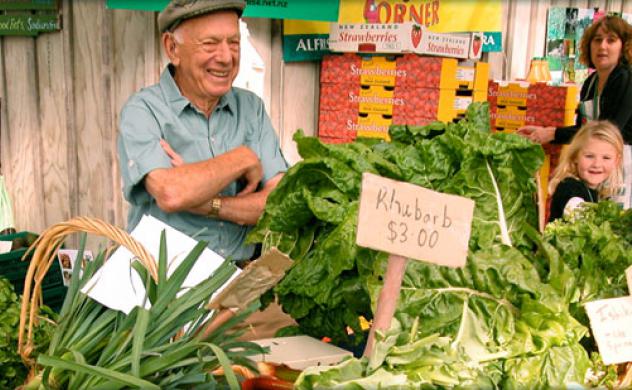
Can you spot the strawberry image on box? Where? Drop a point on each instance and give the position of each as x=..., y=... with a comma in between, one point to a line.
x=415, y=35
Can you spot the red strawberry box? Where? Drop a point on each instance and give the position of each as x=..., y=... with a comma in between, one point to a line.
x=551, y=116
x=350, y=68
x=417, y=103
x=559, y=97
x=337, y=124
x=358, y=98
x=510, y=117
x=335, y=140
x=522, y=94
x=408, y=70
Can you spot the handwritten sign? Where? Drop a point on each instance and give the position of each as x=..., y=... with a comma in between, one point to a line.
x=414, y=222
x=611, y=323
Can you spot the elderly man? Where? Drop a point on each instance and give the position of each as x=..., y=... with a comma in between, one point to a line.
x=194, y=151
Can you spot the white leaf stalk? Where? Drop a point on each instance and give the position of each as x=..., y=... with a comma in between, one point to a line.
x=502, y=221
x=6, y=210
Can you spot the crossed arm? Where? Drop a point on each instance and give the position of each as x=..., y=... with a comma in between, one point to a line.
x=190, y=187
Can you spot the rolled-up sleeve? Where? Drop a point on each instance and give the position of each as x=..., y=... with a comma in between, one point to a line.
x=139, y=149
x=272, y=160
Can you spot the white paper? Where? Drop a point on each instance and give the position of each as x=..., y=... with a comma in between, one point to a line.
x=5, y=246
x=611, y=324
x=118, y=286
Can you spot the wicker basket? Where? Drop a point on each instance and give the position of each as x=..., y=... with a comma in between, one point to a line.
x=44, y=251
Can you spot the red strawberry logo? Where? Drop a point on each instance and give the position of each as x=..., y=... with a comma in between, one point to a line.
x=415, y=35
x=476, y=45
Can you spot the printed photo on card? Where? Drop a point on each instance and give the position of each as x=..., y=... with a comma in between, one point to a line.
x=67, y=259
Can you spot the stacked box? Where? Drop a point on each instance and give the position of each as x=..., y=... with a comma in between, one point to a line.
x=363, y=96
x=515, y=104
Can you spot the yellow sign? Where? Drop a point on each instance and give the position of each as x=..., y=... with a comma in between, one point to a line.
x=437, y=15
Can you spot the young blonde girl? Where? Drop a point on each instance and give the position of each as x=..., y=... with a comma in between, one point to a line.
x=590, y=169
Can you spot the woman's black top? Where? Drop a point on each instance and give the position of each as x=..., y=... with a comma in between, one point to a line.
x=615, y=104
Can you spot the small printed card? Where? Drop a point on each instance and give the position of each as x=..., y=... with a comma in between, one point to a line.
x=67, y=259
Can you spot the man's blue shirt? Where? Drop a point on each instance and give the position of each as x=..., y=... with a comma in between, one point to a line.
x=161, y=112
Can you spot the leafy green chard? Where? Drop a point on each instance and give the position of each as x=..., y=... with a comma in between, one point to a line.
x=312, y=213
x=585, y=255
x=12, y=370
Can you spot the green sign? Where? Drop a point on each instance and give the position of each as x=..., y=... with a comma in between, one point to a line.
x=324, y=10
x=492, y=42
x=141, y=5
x=28, y=24
x=29, y=17
x=305, y=47
x=28, y=5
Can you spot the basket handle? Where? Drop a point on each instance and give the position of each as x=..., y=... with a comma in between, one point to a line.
x=44, y=249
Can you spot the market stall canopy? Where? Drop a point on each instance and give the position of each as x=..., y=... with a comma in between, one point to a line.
x=324, y=10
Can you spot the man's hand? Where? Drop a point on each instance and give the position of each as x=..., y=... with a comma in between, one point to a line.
x=254, y=173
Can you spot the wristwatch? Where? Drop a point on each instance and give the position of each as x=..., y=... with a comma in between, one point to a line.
x=216, y=205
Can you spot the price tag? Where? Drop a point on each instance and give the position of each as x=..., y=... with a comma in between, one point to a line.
x=611, y=323
x=414, y=222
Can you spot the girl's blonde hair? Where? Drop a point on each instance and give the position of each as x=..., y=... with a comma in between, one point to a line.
x=604, y=131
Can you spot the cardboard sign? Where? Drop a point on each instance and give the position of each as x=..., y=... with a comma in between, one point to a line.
x=414, y=222
x=611, y=323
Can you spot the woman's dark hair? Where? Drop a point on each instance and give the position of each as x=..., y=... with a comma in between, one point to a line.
x=613, y=24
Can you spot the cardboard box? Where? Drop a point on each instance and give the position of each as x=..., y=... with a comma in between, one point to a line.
x=523, y=94
x=374, y=99
x=472, y=77
x=408, y=70
x=511, y=117
x=403, y=70
x=405, y=105
x=300, y=352
x=508, y=93
x=560, y=97
x=350, y=68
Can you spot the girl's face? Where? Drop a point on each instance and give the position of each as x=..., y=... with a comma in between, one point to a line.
x=595, y=161
x=605, y=49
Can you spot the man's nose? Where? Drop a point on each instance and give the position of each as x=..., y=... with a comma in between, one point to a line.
x=223, y=53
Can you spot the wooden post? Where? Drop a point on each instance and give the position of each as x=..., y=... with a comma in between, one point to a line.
x=387, y=300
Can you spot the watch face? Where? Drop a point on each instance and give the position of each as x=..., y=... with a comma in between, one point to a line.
x=216, y=205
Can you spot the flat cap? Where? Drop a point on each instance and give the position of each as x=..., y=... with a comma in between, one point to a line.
x=178, y=10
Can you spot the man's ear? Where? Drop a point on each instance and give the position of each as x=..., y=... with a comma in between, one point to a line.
x=171, y=47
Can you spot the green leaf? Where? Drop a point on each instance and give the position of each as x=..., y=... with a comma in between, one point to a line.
x=142, y=321
x=101, y=372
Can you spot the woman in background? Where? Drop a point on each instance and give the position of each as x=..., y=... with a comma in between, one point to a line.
x=606, y=46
